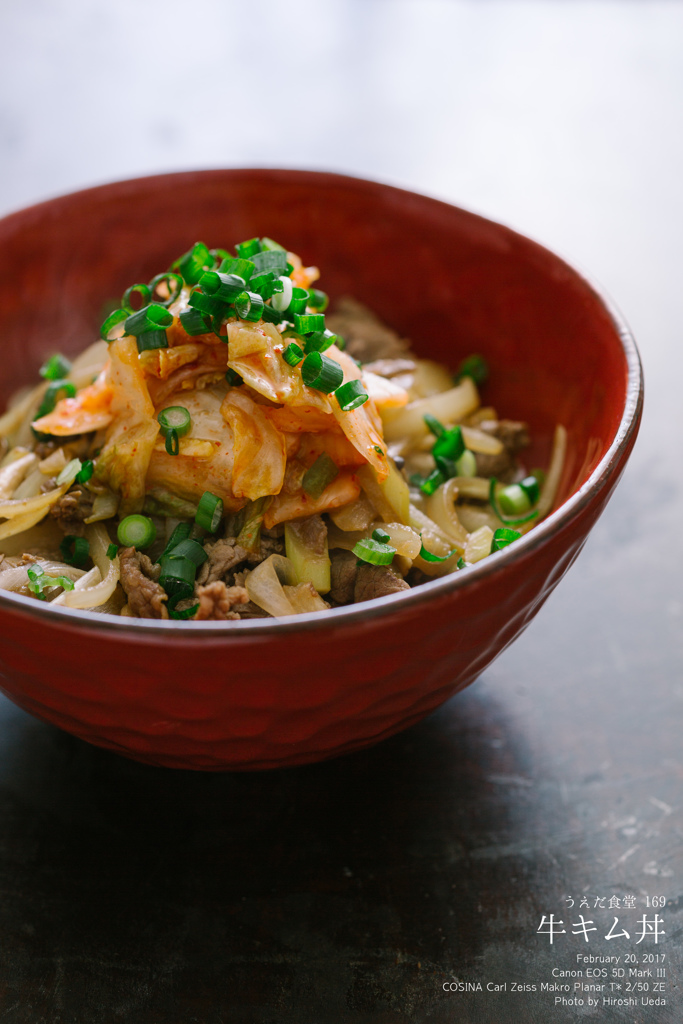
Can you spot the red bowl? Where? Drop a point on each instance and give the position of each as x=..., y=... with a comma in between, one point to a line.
x=266, y=693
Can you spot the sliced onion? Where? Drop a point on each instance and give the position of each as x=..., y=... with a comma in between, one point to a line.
x=440, y=507
x=264, y=585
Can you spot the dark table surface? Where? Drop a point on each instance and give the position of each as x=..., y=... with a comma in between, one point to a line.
x=354, y=891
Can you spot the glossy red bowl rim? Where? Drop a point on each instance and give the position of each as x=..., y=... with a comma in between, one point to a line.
x=377, y=607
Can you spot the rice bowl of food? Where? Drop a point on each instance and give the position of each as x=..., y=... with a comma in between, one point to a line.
x=266, y=523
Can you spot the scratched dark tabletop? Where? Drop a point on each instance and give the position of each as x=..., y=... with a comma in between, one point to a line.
x=406, y=883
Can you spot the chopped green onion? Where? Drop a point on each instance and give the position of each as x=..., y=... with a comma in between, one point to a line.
x=318, y=300
x=195, y=322
x=501, y=515
x=435, y=426
x=240, y=268
x=514, y=500
x=374, y=551
x=191, y=549
x=75, y=550
x=531, y=487
x=380, y=451
x=112, y=551
x=318, y=341
x=247, y=249
x=307, y=323
x=474, y=366
x=149, y=340
x=381, y=535
x=321, y=372
x=151, y=318
x=181, y=532
x=175, y=417
x=55, y=368
x=429, y=557
x=351, y=396
x=434, y=480
x=293, y=354
x=264, y=284
x=108, y=330
x=172, y=442
x=323, y=471
x=177, y=576
x=69, y=472
x=233, y=378
x=268, y=243
x=503, y=537
x=223, y=287
x=207, y=303
x=249, y=306
x=209, y=512
x=193, y=263
x=272, y=315
x=86, y=472
x=282, y=298
x=466, y=465
x=461, y=563
x=449, y=445
x=142, y=290
x=174, y=286
x=53, y=395
x=186, y=613
x=38, y=580
x=298, y=304
x=273, y=260
x=136, y=531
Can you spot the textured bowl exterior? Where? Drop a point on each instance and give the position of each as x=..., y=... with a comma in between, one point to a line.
x=262, y=694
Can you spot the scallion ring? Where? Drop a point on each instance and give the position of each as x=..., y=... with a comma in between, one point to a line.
x=86, y=471
x=145, y=293
x=175, y=417
x=55, y=368
x=498, y=511
x=434, y=480
x=322, y=373
x=75, y=550
x=374, y=551
x=246, y=249
x=249, y=306
x=194, y=322
x=318, y=300
x=113, y=326
x=503, y=537
x=181, y=532
x=429, y=557
x=191, y=549
x=149, y=340
x=222, y=287
x=209, y=512
x=151, y=318
x=307, y=323
x=172, y=442
x=351, y=395
x=173, y=284
x=281, y=300
x=293, y=354
x=136, y=531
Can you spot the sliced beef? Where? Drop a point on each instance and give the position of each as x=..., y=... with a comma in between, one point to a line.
x=216, y=601
x=146, y=599
x=72, y=508
x=224, y=555
x=514, y=436
x=377, y=581
x=343, y=576
x=367, y=338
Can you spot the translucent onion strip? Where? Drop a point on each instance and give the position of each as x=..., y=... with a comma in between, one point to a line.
x=480, y=441
x=105, y=506
x=264, y=585
x=479, y=544
x=552, y=479
x=448, y=407
x=100, y=583
x=440, y=506
x=12, y=474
